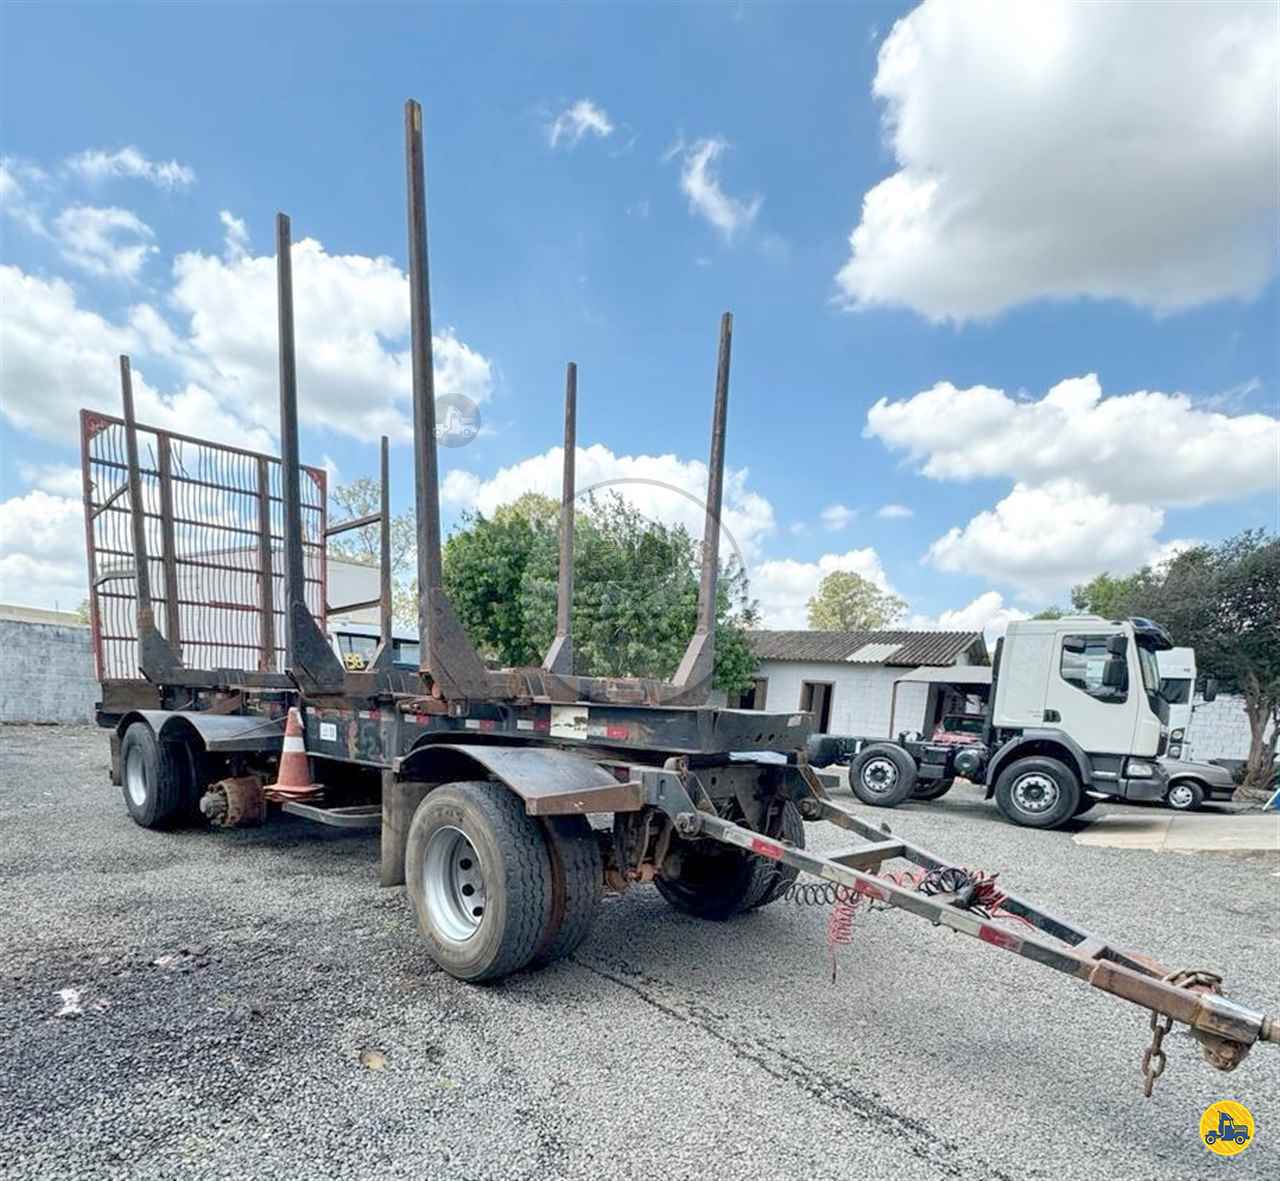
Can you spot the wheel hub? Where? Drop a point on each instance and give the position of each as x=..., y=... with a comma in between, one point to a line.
x=879, y=775
x=453, y=884
x=135, y=778
x=1035, y=792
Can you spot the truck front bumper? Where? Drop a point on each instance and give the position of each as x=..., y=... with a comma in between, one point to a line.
x=1144, y=787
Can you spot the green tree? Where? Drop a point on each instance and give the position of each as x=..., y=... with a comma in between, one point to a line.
x=1224, y=601
x=1108, y=596
x=635, y=590
x=848, y=602
x=364, y=546
x=1049, y=613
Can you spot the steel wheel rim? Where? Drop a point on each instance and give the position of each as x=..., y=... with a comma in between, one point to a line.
x=453, y=884
x=1035, y=792
x=135, y=777
x=1180, y=795
x=879, y=775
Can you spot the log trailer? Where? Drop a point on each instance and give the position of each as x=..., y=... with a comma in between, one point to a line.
x=207, y=596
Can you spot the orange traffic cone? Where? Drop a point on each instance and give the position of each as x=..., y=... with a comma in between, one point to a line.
x=294, y=781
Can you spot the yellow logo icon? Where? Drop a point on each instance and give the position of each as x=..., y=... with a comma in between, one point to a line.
x=1227, y=1127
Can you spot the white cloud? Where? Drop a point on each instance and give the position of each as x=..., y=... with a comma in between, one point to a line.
x=1139, y=447
x=987, y=613
x=56, y=357
x=837, y=516
x=784, y=586
x=236, y=239
x=699, y=182
x=17, y=179
x=96, y=165
x=42, y=551
x=582, y=118
x=60, y=479
x=1043, y=539
x=894, y=512
x=106, y=242
x=351, y=324
x=664, y=487
x=1061, y=149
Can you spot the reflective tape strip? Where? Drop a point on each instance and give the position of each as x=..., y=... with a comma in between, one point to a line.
x=294, y=746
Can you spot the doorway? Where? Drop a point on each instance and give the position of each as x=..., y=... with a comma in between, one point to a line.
x=815, y=698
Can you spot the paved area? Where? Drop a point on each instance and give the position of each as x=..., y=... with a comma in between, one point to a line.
x=1193, y=832
x=253, y=1006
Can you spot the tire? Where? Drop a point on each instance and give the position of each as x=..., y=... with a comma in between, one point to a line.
x=883, y=775
x=932, y=789
x=715, y=881
x=773, y=878
x=1038, y=792
x=157, y=779
x=577, y=883
x=1184, y=795
x=470, y=841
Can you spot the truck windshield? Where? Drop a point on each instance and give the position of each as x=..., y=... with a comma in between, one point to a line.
x=1150, y=670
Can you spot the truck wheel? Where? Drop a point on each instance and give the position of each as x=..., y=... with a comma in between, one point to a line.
x=157, y=778
x=1038, y=792
x=714, y=882
x=773, y=878
x=931, y=789
x=1185, y=795
x=577, y=882
x=479, y=873
x=882, y=775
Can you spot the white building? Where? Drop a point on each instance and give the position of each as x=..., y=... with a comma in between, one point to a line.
x=846, y=678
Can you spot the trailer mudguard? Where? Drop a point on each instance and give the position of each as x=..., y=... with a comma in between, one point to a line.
x=551, y=782
x=219, y=733
x=1032, y=742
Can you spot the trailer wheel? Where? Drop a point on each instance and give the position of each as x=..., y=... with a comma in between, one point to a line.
x=883, y=775
x=1184, y=795
x=157, y=778
x=1038, y=792
x=773, y=878
x=932, y=789
x=577, y=882
x=479, y=874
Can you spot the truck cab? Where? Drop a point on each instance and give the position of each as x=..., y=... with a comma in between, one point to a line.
x=1084, y=693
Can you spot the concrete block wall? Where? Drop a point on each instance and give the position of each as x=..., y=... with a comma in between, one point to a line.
x=1218, y=730
x=48, y=673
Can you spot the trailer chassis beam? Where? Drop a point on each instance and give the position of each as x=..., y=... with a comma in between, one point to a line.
x=1225, y=1029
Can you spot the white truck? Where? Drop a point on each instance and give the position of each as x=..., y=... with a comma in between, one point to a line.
x=1073, y=712
x=1177, y=686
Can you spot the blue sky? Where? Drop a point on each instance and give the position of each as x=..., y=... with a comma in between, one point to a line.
x=596, y=249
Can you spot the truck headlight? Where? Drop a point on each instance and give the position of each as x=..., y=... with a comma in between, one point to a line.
x=1140, y=770
x=1177, y=735
x=1175, y=751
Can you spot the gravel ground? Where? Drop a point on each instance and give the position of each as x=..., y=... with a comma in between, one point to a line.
x=255, y=1006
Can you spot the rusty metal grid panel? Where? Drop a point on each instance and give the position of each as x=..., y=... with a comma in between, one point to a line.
x=205, y=505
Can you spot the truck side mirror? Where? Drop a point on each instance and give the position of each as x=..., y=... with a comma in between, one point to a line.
x=1210, y=689
x=1117, y=645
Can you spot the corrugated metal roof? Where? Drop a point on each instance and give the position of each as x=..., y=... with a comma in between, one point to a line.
x=902, y=648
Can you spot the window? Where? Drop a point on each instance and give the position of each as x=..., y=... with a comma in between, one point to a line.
x=752, y=697
x=357, y=651
x=1176, y=690
x=1088, y=666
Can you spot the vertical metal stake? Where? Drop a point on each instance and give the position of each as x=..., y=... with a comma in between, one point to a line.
x=559, y=658
x=385, y=588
